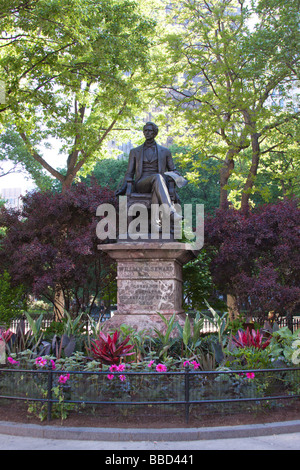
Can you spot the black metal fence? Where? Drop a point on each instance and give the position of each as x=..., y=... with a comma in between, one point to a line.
x=185, y=389
x=292, y=323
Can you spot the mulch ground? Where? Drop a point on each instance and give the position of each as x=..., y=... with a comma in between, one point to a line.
x=153, y=417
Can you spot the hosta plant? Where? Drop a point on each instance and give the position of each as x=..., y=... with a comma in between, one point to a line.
x=110, y=349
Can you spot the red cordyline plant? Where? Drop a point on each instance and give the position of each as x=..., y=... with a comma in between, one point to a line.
x=109, y=350
x=250, y=338
x=6, y=335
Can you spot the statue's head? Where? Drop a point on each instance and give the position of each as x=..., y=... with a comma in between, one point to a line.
x=151, y=125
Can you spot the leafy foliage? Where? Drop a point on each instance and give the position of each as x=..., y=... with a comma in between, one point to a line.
x=109, y=349
x=53, y=241
x=31, y=340
x=164, y=334
x=71, y=70
x=191, y=333
x=12, y=299
x=284, y=344
x=13, y=150
x=227, y=67
x=256, y=257
x=250, y=338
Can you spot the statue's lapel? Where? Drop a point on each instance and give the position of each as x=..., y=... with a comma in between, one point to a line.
x=160, y=158
x=139, y=160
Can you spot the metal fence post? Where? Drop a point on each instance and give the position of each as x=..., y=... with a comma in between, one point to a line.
x=49, y=392
x=187, y=393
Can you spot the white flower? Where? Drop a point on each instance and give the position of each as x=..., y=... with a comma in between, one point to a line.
x=296, y=353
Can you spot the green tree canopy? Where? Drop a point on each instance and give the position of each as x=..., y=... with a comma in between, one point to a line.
x=71, y=70
x=224, y=77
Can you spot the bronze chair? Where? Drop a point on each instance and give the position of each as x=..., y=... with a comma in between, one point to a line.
x=145, y=198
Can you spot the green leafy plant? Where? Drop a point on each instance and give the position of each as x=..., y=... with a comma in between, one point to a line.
x=248, y=357
x=72, y=326
x=141, y=341
x=94, y=328
x=12, y=302
x=207, y=361
x=218, y=321
x=283, y=345
x=164, y=336
x=35, y=326
x=20, y=341
x=191, y=333
x=60, y=409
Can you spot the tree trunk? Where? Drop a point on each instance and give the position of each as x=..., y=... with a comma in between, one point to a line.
x=289, y=320
x=59, y=304
x=232, y=307
x=252, y=173
x=225, y=173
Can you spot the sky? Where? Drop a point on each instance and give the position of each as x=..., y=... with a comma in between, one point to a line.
x=16, y=180
x=22, y=180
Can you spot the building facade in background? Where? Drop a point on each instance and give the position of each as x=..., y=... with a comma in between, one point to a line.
x=12, y=196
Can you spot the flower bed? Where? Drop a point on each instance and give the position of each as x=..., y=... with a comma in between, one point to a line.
x=247, y=368
x=51, y=391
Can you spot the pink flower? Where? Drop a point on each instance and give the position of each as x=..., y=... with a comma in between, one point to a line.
x=41, y=362
x=12, y=361
x=53, y=364
x=195, y=364
x=115, y=368
x=122, y=378
x=186, y=363
x=63, y=378
x=161, y=368
x=250, y=375
x=150, y=363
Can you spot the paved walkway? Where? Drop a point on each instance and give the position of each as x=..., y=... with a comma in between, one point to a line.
x=275, y=442
x=273, y=436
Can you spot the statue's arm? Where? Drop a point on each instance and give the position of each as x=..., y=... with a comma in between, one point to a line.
x=170, y=163
x=128, y=175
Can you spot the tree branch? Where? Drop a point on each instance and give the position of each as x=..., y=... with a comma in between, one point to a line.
x=40, y=159
x=100, y=140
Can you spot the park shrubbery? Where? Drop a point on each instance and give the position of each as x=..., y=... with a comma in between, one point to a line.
x=120, y=353
x=53, y=242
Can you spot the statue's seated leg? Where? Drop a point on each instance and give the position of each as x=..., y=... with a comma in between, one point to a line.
x=156, y=185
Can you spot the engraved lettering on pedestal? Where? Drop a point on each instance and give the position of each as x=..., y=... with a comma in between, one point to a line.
x=147, y=295
x=145, y=270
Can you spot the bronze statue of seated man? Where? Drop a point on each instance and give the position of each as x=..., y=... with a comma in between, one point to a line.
x=148, y=164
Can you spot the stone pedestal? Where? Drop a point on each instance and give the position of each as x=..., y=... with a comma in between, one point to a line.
x=149, y=277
